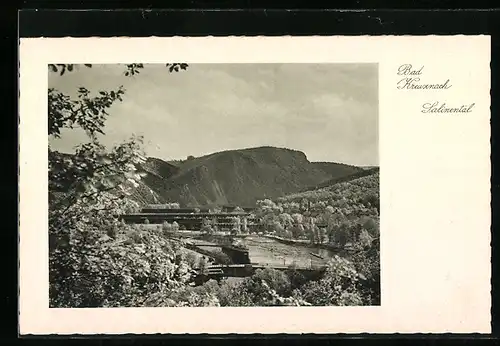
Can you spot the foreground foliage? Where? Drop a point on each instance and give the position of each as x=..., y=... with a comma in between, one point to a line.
x=94, y=269
x=94, y=259
x=341, y=285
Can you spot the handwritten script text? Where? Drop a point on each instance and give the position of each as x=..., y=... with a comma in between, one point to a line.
x=411, y=80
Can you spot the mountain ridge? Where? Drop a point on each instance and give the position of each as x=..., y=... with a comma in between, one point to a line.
x=242, y=176
x=235, y=177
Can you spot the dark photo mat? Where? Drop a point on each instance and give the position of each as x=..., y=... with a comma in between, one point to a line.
x=139, y=23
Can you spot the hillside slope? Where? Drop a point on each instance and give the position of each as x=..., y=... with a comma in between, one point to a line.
x=336, y=170
x=237, y=177
x=347, y=190
x=243, y=176
x=156, y=173
x=363, y=172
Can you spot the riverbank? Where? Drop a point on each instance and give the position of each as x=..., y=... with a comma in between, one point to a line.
x=305, y=243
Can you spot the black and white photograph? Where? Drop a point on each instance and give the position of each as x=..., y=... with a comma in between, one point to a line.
x=213, y=185
x=254, y=185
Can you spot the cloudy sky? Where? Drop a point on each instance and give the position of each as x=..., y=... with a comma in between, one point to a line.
x=328, y=111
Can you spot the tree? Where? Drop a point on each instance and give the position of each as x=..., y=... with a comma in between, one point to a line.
x=174, y=205
x=95, y=270
x=268, y=213
x=266, y=206
x=329, y=210
x=175, y=226
x=277, y=280
x=96, y=260
x=206, y=226
x=297, y=231
x=215, y=210
x=297, y=218
x=278, y=229
x=370, y=225
x=261, y=289
x=316, y=234
x=244, y=225
x=321, y=234
x=340, y=285
x=304, y=204
x=286, y=220
x=236, y=225
x=365, y=239
x=367, y=263
x=166, y=226
x=372, y=200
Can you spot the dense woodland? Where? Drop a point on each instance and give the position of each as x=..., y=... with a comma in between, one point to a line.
x=340, y=214
x=96, y=260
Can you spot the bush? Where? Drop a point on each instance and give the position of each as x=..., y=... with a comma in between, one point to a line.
x=167, y=227
x=297, y=279
x=95, y=270
x=367, y=263
x=191, y=259
x=175, y=226
x=339, y=286
x=277, y=280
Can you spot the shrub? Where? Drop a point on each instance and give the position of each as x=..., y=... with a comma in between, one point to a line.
x=95, y=270
x=175, y=226
x=191, y=259
x=167, y=227
x=367, y=263
x=339, y=286
x=277, y=280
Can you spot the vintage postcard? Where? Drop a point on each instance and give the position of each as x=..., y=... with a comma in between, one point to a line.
x=254, y=185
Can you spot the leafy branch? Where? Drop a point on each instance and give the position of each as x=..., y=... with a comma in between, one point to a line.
x=62, y=68
x=86, y=192
x=130, y=69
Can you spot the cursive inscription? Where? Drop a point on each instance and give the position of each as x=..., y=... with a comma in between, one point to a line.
x=438, y=107
x=414, y=83
x=412, y=80
x=407, y=70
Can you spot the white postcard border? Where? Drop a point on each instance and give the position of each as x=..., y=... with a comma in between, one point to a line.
x=435, y=187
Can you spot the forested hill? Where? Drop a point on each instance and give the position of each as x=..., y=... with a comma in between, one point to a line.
x=357, y=189
x=239, y=177
x=345, y=178
x=336, y=170
x=345, y=202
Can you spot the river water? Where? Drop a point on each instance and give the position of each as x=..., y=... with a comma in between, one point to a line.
x=269, y=251
x=264, y=251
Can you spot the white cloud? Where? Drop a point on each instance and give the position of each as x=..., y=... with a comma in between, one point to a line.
x=328, y=111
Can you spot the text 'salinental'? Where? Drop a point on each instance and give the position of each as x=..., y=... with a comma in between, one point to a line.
x=411, y=81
